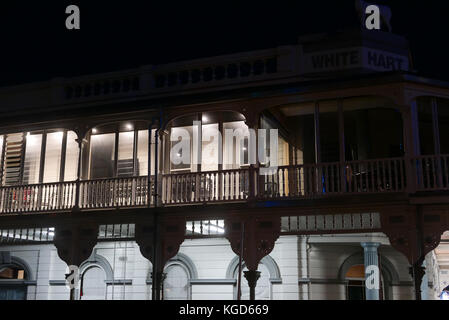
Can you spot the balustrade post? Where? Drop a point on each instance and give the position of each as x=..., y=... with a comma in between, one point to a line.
x=411, y=146
x=78, y=175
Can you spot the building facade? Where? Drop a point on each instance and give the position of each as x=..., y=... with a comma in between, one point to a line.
x=285, y=173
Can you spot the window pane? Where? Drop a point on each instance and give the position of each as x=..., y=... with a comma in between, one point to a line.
x=209, y=151
x=443, y=123
x=53, y=150
x=425, y=121
x=125, y=164
x=71, y=158
x=364, y=140
x=32, y=159
x=235, y=144
x=176, y=285
x=102, y=156
x=329, y=132
x=263, y=285
x=94, y=287
x=142, y=153
x=303, y=136
x=12, y=163
x=183, y=147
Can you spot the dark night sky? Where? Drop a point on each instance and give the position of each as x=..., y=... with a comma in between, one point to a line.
x=120, y=34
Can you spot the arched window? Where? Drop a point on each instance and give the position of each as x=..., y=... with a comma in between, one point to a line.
x=176, y=283
x=269, y=274
x=178, y=272
x=263, y=286
x=12, y=272
x=95, y=274
x=93, y=284
x=13, y=277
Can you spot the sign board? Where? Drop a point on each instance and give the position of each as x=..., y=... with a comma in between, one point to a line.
x=354, y=58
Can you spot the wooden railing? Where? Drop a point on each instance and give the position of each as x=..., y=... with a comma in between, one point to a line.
x=306, y=181
x=199, y=187
x=115, y=192
x=38, y=197
x=327, y=179
x=432, y=172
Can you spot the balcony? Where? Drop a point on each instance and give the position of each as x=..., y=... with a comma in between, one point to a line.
x=308, y=181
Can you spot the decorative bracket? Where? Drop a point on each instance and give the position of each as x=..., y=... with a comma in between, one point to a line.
x=259, y=236
x=75, y=243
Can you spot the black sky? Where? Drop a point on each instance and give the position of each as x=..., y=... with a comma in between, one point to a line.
x=120, y=34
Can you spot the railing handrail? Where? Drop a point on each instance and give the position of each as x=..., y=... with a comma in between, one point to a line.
x=204, y=172
x=115, y=178
x=37, y=184
x=399, y=174
x=434, y=156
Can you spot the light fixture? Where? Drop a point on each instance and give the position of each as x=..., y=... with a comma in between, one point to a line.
x=204, y=118
x=94, y=130
x=129, y=126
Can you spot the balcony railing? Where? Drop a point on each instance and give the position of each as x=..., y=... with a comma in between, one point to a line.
x=432, y=172
x=38, y=197
x=314, y=180
x=306, y=181
x=216, y=186
x=116, y=192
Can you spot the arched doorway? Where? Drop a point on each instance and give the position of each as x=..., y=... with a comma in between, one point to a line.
x=352, y=273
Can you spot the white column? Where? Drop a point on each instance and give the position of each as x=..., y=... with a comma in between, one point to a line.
x=372, y=273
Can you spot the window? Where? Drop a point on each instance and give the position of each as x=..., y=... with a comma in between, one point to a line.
x=38, y=157
x=181, y=144
x=443, y=125
x=425, y=122
x=119, y=150
x=356, y=282
x=93, y=285
x=329, y=132
x=15, y=289
x=263, y=286
x=210, y=145
x=125, y=163
x=53, y=150
x=71, y=157
x=12, y=273
x=102, y=154
x=176, y=283
x=32, y=158
x=235, y=145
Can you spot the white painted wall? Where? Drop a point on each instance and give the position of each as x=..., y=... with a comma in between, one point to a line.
x=314, y=260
